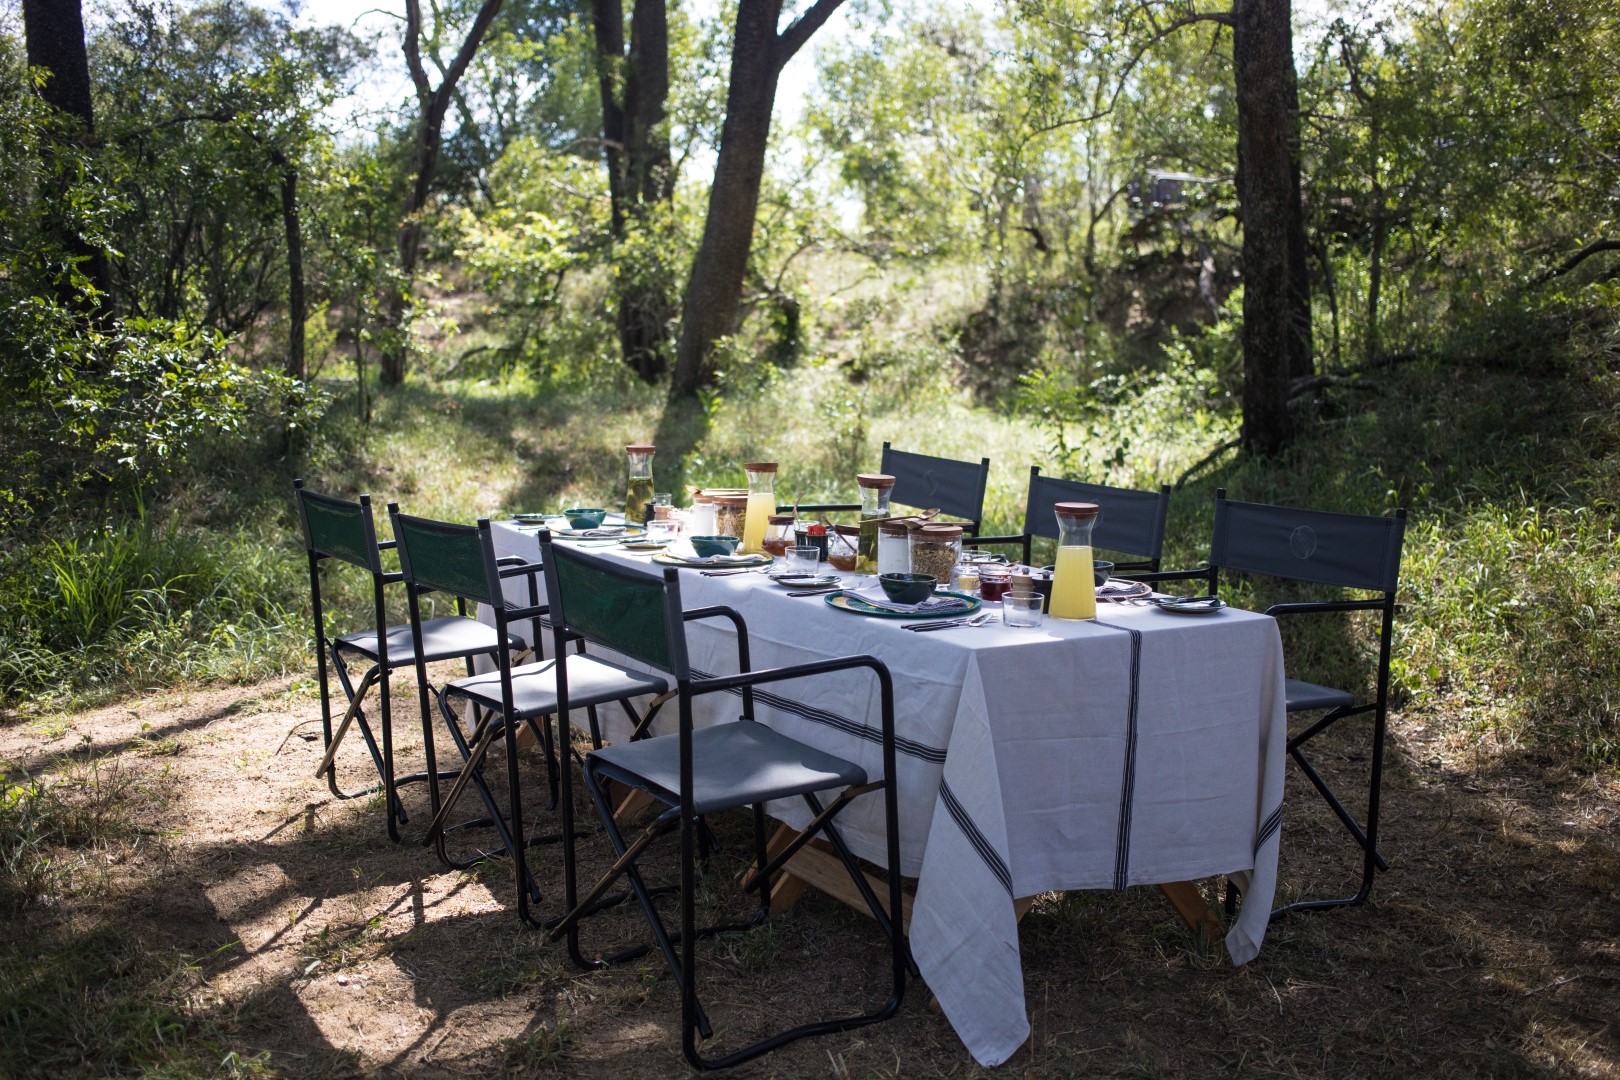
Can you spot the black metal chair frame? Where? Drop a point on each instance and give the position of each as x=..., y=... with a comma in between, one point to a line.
x=1131, y=522
x=489, y=724
x=364, y=551
x=1372, y=564
x=679, y=949
x=923, y=482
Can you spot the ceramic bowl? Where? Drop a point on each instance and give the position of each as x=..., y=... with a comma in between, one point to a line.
x=585, y=517
x=706, y=546
x=908, y=588
x=1103, y=569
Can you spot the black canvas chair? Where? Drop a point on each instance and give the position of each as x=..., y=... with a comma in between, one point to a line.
x=1131, y=522
x=1348, y=551
x=694, y=772
x=460, y=560
x=346, y=531
x=923, y=482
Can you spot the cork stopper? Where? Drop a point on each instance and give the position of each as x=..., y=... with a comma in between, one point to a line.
x=641, y=449
x=1078, y=511
x=874, y=480
x=944, y=534
x=760, y=466
x=780, y=519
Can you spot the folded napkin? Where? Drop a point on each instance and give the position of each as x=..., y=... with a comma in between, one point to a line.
x=879, y=599
x=723, y=560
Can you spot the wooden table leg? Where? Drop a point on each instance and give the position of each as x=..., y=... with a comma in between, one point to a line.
x=1189, y=902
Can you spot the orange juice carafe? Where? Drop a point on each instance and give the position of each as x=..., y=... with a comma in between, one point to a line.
x=761, y=505
x=1074, y=585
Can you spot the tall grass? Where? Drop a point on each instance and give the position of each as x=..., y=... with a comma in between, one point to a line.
x=97, y=610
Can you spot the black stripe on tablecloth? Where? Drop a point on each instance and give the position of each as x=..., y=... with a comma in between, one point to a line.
x=909, y=747
x=1268, y=829
x=970, y=829
x=1127, y=791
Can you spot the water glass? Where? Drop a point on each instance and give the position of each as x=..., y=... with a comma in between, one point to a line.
x=1022, y=610
x=804, y=559
x=662, y=532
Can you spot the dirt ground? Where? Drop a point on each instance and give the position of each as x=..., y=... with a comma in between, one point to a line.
x=1491, y=948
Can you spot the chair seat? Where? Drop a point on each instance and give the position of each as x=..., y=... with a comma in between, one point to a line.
x=733, y=764
x=1305, y=697
x=448, y=638
x=591, y=681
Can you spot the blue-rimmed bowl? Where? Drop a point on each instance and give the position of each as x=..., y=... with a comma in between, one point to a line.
x=706, y=546
x=908, y=588
x=585, y=517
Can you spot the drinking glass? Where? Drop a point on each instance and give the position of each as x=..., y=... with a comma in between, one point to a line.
x=1022, y=610
x=805, y=559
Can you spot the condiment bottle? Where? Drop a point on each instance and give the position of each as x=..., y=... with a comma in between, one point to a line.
x=1074, y=585
x=875, y=491
x=639, y=483
x=761, y=505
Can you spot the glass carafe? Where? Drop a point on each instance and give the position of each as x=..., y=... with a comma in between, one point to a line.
x=1074, y=586
x=638, y=490
x=761, y=505
x=875, y=491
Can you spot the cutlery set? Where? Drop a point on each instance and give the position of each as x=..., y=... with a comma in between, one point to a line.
x=947, y=624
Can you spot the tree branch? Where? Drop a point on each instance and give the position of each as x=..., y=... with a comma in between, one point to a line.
x=793, y=38
x=1596, y=247
x=413, y=51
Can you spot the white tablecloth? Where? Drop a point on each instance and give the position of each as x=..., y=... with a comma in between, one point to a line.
x=1142, y=748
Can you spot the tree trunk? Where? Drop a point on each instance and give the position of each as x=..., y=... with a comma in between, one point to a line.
x=714, y=289
x=424, y=163
x=295, y=267
x=54, y=33
x=1268, y=194
x=641, y=186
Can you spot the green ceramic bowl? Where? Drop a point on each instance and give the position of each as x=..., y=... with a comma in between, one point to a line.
x=706, y=546
x=908, y=588
x=585, y=517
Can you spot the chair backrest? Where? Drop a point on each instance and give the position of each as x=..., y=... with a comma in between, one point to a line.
x=1353, y=551
x=337, y=528
x=445, y=557
x=1130, y=521
x=619, y=607
x=921, y=481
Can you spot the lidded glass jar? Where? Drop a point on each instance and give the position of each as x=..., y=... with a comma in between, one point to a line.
x=730, y=510
x=701, y=522
x=893, y=547
x=875, y=491
x=638, y=483
x=842, y=547
x=761, y=505
x=1074, y=585
x=779, y=536
x=935, y=550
